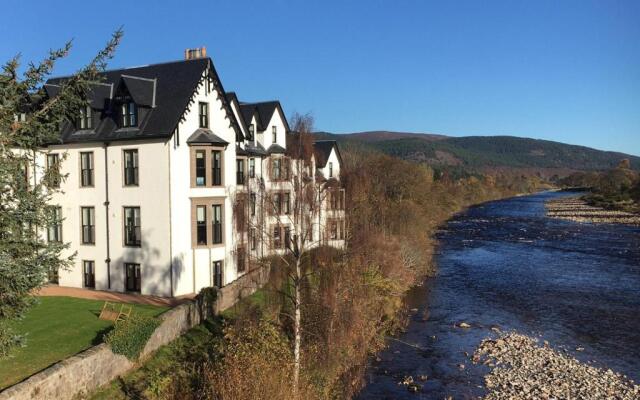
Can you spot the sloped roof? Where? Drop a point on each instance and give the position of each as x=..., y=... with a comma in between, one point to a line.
x=143, y=90
x=167, y=86
x=322, y=151
x=276, y=149
x=263, y=111
x=205, y=136
x=257, y=150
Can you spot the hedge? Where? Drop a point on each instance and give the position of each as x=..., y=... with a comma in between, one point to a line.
x=130, y=336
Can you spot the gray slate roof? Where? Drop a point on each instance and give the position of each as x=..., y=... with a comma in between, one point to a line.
x=205, y=136
x=162, y=91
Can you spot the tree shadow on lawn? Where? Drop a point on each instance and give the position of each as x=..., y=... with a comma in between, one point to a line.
x=100, y=335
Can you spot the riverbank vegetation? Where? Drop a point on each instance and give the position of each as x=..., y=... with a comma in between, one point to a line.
x=615, y=189
x=351, y=300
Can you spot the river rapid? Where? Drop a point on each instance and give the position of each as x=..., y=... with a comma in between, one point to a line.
x=506, y=265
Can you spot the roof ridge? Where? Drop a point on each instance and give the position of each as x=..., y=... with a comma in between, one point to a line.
x=137, y=67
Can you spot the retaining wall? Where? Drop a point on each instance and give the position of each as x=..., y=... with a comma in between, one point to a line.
x=94, y=367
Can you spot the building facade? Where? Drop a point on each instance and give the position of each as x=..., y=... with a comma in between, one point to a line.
x=172, y=184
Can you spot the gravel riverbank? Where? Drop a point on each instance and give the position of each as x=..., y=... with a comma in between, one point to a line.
x=575, y=209
x=522, y=368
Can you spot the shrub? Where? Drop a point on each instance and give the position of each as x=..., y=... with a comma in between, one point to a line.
x=129, y=337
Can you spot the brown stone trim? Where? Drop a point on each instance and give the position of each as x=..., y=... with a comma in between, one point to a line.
x=208, y=164
x=208, y=202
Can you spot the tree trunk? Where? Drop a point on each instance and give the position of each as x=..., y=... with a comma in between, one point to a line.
x=296, y=328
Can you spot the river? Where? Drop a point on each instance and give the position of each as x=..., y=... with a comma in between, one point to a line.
x=505, y=264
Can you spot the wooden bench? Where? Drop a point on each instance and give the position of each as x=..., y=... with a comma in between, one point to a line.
x=110, y=312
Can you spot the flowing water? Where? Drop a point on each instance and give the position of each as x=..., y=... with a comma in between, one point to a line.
x=505, y=264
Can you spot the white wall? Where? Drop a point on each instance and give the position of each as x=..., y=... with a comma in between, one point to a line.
x=152, y=196
x=192, y=267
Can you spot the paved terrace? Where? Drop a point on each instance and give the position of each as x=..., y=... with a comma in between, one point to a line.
x=54, y=290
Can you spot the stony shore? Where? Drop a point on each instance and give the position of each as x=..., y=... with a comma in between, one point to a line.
x=575, y=209
x=522, y=368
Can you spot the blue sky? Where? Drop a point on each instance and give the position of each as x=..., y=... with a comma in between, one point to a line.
x=559, y=70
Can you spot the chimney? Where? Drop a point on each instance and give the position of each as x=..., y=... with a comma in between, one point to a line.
x=192, y=54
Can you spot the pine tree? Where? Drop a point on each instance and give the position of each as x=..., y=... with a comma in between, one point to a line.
x=29, y=120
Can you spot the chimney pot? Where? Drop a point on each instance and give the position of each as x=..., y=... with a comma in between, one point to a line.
x=198, y=52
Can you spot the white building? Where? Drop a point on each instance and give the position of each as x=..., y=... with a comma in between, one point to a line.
x=154, y=168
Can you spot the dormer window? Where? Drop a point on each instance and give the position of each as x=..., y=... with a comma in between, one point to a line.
x=274, y=134
x=330, y=170
x=85, y=118
x=204, y=114
x=129, y=112
x=252, y=129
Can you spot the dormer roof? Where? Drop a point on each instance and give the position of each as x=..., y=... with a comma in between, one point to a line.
x=164, y=92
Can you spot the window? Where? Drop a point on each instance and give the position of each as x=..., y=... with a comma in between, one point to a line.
x=274, y=134
x=131, y=167
x=132, y=233
x=85, y=118
x=330, y=170
x=277, y=204
x=286, y=203
x=334, y=230
x=287, y=237
x=201, y=169
x=241, y=259
x=216, y=157
x=252, y=168
x=129, y=112
x=53, y=170
x=277, y=243
x=252, y=200
x=276, y=170
x=204, y=114
x=88, y=225
x=253, y=239
x=54, y=230
x=217, y=223
x=89, y=270
x=132, y=277
x=252, y=130
x=86, y=169
x=201, y=225
x=217, y=274
x=240, y=171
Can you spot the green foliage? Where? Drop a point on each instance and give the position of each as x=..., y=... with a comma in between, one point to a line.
x=477, y=152
x=130, y=336
x=25, y=256
x=208, y=294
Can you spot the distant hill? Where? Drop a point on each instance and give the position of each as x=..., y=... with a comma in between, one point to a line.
x=486, y=152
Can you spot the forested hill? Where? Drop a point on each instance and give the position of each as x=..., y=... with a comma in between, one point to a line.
x=482, y=152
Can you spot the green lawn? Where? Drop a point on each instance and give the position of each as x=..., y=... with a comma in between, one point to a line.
x=56, y=328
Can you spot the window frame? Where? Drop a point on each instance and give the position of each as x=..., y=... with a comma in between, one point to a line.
x=240, y=171
x=274, y=134
x=84, y=274
x=201, y=169
x=208, y=203
x=85, y=118
x=129, y=114
x=56, y=228
x=217, y=235
x=201, y=224
x=135, y=160
x=203, y=117
x=91, y=226
x=136, y=268
x=137, y=229
x=90, y=170
x=252, y=167
x=214, y=275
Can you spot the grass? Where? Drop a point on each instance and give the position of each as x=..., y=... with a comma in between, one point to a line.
x=54, y=329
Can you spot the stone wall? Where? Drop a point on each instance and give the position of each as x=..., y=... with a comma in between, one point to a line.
x=97, y=366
